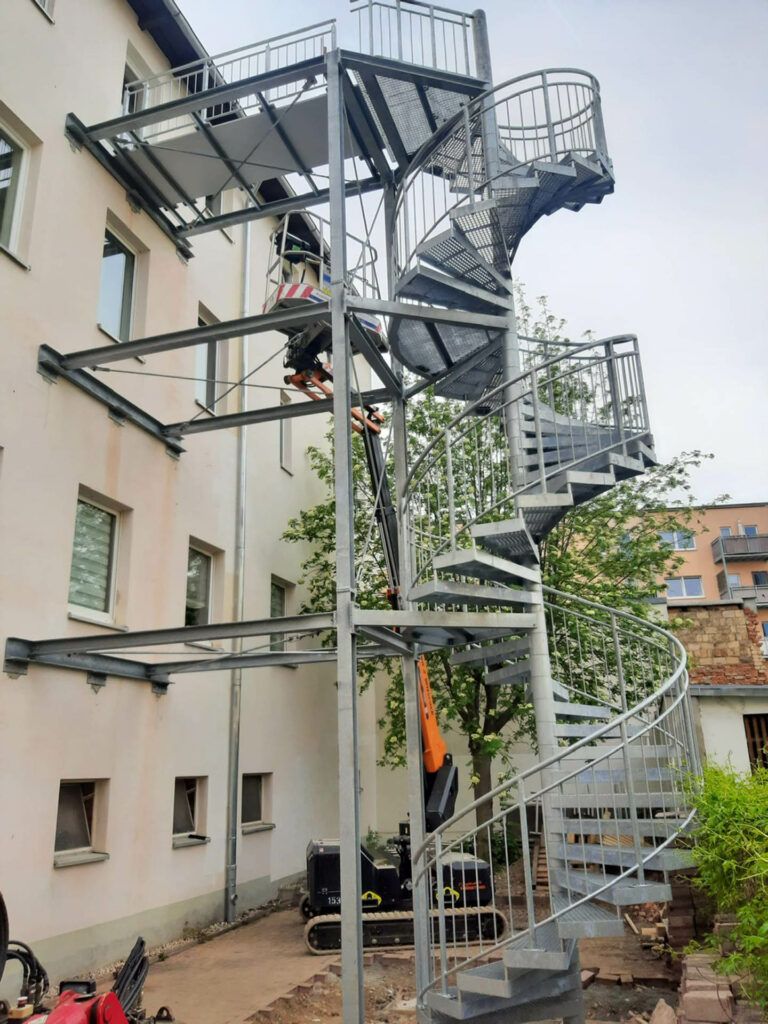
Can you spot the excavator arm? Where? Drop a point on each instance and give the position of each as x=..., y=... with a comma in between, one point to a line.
x=440, y=774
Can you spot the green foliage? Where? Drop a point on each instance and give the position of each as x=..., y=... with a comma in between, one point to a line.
x=731, y=853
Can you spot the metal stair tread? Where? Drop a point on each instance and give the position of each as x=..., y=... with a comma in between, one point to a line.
x=588, y=920
x=571, y=710
x=513, y=672
x=471, y=1006
x=623, y=893
x=428, y=285
x=620, y=856
x=663, y=828
x=490, y=654
x=509, y=538
x=484, y=565
x=453, y=592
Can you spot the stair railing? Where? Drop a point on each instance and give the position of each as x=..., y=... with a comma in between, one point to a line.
x=573, y=406
x=549, y=116
x=615, y=800
x=420, y=33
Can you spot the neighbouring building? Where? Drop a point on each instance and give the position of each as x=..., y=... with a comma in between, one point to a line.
x=720, y=596
x=113, y=798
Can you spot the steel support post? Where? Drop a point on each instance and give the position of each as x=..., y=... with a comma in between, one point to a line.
x=421, y=924
x=349, y=797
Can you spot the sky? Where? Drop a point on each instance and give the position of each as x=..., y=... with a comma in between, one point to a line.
x=679, y=253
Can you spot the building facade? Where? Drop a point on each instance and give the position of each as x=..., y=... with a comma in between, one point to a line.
x=114, y=793
x=719, y=595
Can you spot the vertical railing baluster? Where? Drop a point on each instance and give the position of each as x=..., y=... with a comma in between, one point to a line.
x=631, y=802
x=440, y=887
x=530, y=904
x=449, y=485
x=399, y=23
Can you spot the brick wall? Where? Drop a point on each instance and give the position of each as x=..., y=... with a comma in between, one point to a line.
x=724, y=644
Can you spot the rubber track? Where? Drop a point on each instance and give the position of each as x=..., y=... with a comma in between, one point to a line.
x=406, y=917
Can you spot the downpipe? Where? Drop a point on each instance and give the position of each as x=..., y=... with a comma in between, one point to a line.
x=238, y=607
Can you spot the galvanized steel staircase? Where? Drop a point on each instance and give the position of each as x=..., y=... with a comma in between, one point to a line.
x=545, y=427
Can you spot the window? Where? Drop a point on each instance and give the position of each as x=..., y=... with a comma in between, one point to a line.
x=760, y=579
x=118, y=268
x=189, y=810
x=74, y=820
x=11, y=158
x=199, y=574
x=734, y=579
x=756, y=728
x=206, y=368
x=749, y=531
x=679, y=540
x=132, y=97
x=286, y=437
x=765, y=629
x=277, y=605
x=91, y=576
x=725, y=532
x=685, y=586
x=252, y=810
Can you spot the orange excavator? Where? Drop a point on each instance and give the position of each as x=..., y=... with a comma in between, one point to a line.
x=387, y=887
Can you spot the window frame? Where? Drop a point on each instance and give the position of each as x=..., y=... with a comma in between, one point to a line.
x=81, y=610
x=285, y=438
x=207, y=376
x=199, y=550
x=127, y=315
x=95, y=822
x=725, y=532
x=197, y=835
x=682, y=580
x=755, y=574
x=756, y=732
x=750, y=530
x=18, y=192
x=277, y=641
x=674, y=544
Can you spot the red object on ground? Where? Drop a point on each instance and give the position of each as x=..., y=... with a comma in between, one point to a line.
x=74, y=1008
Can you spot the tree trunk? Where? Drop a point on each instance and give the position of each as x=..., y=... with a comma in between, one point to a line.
x=481, y=769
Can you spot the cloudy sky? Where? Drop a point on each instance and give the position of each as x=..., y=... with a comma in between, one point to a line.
x=678, y=255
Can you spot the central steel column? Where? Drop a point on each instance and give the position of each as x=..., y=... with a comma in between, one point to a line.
x=349, y=797
x=414, y=756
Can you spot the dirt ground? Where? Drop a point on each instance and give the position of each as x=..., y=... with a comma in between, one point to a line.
x=239, y=977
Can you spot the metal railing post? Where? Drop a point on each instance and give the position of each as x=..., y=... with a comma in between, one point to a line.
x=399, y=23
x=631, y=802
x=539, y=438
x=470, y=167
x=548, y=115
x=440, y=887
x=432, y=35
x=370, y=27
x=530, y=904
x=449, y=485
x=613, y=387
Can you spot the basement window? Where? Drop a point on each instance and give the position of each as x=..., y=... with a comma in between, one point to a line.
x=75, y=824
x=756, y=728
x=189, y=811
x=254, y=804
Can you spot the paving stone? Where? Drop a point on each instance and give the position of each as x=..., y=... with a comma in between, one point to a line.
x=711, y=1006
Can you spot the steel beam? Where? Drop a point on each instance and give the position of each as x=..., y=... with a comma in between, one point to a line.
x=319, y=622
x=375, y=359
x=353, y=1001
x=52, y=364
x=432, y=314
x=395, y=643
x=433, y=78
x=18, y=656
x=273, y=412
x=278, y=207
x=277, y=320
x=413, y=618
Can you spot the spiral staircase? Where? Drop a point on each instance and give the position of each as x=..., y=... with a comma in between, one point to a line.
x=539, y=428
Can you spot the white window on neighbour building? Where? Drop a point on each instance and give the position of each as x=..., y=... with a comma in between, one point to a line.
x=760, y=579
x=189, y=808
x=91, y=576
x=118, y=270
x=199, y=577
x=725, y=532
x=277, y=606
x=253, y=810
x=286, y=437
x=734, y=579
x=679, y=540
x=74, y=818
x=749, y=531
x=685, y=586
x=11, y=163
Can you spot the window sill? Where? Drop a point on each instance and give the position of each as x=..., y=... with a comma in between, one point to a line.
x=92, y=620
x=117, y=341
x=285, y=469
x=204, y=407
x=70, y=858
x=257, y=826
x=201, y=645
x=181, y=841
x=8, y=252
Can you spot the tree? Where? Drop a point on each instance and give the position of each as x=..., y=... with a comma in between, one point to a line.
x=609, y=550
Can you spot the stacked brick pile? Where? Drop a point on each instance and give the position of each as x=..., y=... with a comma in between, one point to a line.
x=707, y=997
x=689, y=915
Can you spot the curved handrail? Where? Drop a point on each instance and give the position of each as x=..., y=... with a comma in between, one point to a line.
x=669, y=720
x=597, y=386
x=545, y=115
